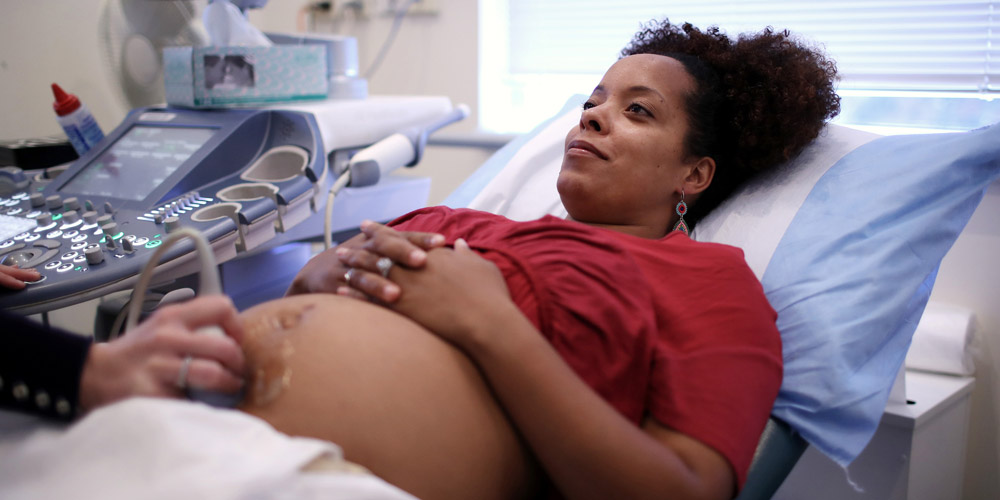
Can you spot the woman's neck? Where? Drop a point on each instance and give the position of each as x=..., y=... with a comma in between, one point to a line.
x=642, y=231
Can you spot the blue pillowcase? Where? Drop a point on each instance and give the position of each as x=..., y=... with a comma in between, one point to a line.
x=853, y=271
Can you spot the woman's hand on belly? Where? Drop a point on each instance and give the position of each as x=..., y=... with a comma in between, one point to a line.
x=451, y=295
x=325, y=272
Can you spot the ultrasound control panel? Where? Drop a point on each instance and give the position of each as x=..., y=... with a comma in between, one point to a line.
x=237, y=175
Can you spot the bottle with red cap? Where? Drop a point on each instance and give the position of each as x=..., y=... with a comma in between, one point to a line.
x=80, y=126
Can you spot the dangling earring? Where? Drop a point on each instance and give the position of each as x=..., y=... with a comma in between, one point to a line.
x=681, y=209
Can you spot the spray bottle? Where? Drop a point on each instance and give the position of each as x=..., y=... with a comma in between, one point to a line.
x=80, y=126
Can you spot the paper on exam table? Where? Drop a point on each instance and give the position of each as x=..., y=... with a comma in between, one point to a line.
x=158, y=448
x=943, y=341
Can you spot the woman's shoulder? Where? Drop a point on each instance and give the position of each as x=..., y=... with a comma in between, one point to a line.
x=677, y=250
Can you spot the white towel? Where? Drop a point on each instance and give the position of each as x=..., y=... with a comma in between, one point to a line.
x=158, y=448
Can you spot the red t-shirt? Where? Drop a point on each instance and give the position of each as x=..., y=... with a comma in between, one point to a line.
x=674, y=328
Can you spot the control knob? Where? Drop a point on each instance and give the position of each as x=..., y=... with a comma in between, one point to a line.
x=37, y=199
x=44, y=220
x=90, y=217
x=94, y=254
x=54, y=202
x=172, y=223
x=72, y=203
x=71, y=217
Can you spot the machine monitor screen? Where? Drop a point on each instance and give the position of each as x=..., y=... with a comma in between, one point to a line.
x=139, y=162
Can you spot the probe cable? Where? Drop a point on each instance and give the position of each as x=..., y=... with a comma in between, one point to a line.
x=339, y=184
x=208, y=283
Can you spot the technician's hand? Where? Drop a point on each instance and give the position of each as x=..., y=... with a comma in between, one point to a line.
x=14, y=277
x=327, y=271
x=148, y=360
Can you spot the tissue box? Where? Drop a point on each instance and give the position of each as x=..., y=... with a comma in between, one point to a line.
x=233, y=76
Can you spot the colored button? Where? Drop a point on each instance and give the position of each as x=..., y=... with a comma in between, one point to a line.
x=32, y=237
x=54, y=234
x=154, y=243
x=79, y=245
x=65, y=267
x=52, y=265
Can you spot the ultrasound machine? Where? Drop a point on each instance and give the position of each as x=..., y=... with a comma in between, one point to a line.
x=247, y=179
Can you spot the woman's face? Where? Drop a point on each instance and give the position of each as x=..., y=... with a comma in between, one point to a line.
x=625, y=163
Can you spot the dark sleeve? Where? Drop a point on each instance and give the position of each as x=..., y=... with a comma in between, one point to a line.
x=40, y=367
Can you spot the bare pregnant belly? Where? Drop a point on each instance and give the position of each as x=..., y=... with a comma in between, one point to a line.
x=403, y=403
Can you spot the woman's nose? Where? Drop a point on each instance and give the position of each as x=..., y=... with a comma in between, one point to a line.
x=591, y=119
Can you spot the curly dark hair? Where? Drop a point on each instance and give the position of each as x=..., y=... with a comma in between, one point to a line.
x=759, y=99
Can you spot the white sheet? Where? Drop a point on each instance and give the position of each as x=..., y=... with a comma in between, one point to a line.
x=157, y=448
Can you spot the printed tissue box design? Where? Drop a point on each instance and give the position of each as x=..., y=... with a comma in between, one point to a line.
x=227, y=76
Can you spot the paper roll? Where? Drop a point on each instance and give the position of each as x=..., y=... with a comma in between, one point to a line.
x=943, y=341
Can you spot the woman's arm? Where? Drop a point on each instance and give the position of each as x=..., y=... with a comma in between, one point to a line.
x=587, y=448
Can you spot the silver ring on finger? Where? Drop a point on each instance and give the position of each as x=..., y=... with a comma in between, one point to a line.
x=183, y=373
x=384, y=265
x=348, y=275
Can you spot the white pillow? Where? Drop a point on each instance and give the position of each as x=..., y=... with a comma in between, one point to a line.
x=754, y=219
x=519, y=180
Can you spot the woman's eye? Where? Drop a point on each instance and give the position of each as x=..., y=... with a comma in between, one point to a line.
x=587, y=105
x=636, y=108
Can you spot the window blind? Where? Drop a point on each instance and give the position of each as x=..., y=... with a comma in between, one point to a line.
x=879, y=45
x=948, y=45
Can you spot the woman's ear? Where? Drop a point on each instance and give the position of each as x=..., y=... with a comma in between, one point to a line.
x=700, y=176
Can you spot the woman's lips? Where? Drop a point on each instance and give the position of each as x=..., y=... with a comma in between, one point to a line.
x=585, y=148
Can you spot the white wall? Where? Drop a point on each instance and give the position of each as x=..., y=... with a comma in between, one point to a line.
x=46, y=41
x=970, y=277
x=42, y=41
x=432, y=55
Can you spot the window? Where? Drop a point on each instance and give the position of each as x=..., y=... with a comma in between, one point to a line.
x=929, y=64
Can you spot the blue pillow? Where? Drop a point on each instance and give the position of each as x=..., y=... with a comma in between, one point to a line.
x=851, y=274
